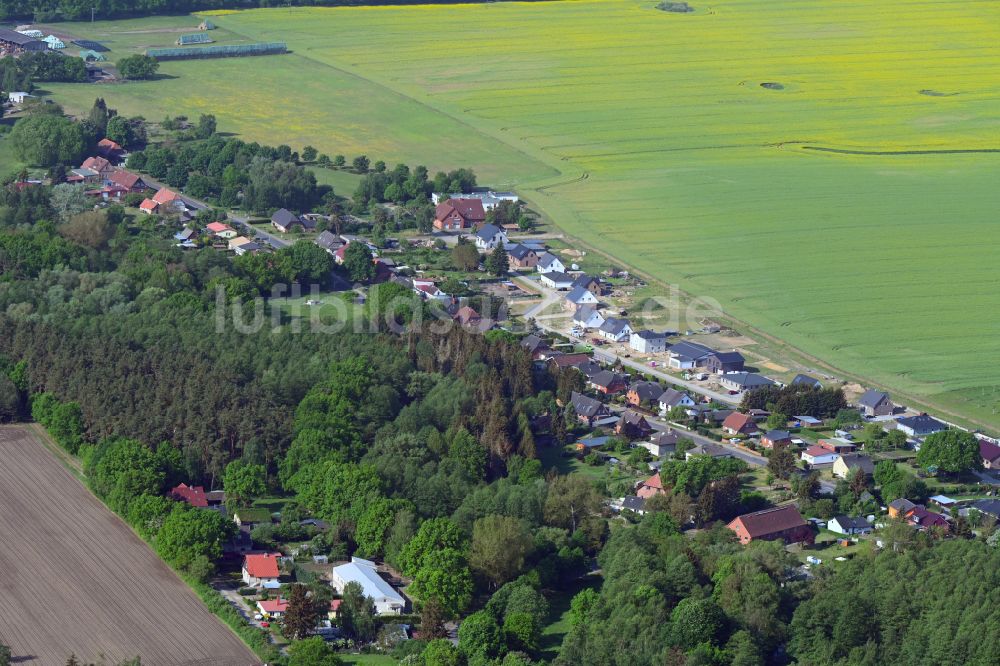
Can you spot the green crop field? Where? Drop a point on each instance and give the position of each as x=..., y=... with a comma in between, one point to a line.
x=848, y=208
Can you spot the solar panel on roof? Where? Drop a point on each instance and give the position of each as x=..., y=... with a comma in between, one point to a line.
x=92, y=45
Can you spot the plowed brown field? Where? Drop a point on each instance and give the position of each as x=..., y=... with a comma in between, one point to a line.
x=75, y=579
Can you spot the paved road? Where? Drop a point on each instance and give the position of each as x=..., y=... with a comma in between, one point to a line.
x=551, y=296
x=244, y=223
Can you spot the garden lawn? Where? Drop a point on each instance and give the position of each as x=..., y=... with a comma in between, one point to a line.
x=849, y=210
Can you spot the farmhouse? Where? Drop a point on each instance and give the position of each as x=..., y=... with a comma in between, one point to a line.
x=849, y=525
x=843, y=466
x=588, y=410
x=643, y=393
x=817, y=455
x=261, y=570
x=920, y=426
x=722, y=362
x=588, y=316
x=556, y=280
x=548, y=262
x=738, y=423
x=743, y=381
x=875, y=403
x=83, y=175
x=806, y=380
x=648, y=342
x=490, y=236
x=489, y=199
x=522, y=256
x=783, y=522
x=459, y=214
x=387, y=600
x=673, y=398
x=577, y=295
x=614, y=328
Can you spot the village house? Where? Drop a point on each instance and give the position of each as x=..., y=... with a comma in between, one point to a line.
x=261, y=570
x=329, y=242
x=556, y=280
x=588, y=316
x=426, y=289
x=920, y=426
x=838, y=445
x=633, y=425
x=490, y=236
x=608, y=382
x=773, y=438
x=562, y=361
x=724, y=362
x=990, y=454
x=673, y=398
x=990, y=507
x=783, y=523
x=273, y=609
x=537, y=347
x=590, y=283
x=132, y=182
x=522, y=257
x=489, y=198
x=589, y=443
x=221, y=230
x=387, y=601
x=633, y=503
x=99, y=164
x=743, y=381
x=83, y=175
x=651, y=487
x=687, y=355
x=589, y=411
x=577, y=296
x=648, y=342
x=110, y=150
x=615, y=329
x=849, y=525
x=922, y=519
x=284, y=220
x=197, y=497
x=875, y=403
x=252, y=247
x=852, y=461
x=459, y=214
x=817, y=455
x=711, y=450
x=806, y=380
x=900, y=507
x=236, y=242
x=549, y=263
x=643, y=393
x=662, y=443
x=467, y=317
x=738, y=423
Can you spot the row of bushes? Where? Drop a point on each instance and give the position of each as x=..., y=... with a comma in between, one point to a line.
x=256, y=639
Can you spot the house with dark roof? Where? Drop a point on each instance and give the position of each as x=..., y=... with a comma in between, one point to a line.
x=783, y=523
x=643, y=393
x=459, y=214
x=849, y=525
x=633, y=425
x=687, y=355
x=563, y=361
x=712, y=450
x=556, y=280
x=673, y=398
x=614, y=329
x=577, y=296
x=648, y=342
x=588, y=316
x=744, y=381
x=522, y=256
x=738, y=423
x=590, y=283
x=283, y=220
x=490, y=236
x=773, y=438
x=853, y=461
x=193, y=495
x=900, y=507
x=588, y=410
x=100, y=165
x=806, y=380
x=634, y=503
x=608, y=382
x=922, y=519
x=590, y=368
x=990, y=507
x=990, y=454
x=662, y=443
x=875, y=403
x=722, y=362
x=920, y=426
x=535, y=346
x=329, y=242
x=548, y=262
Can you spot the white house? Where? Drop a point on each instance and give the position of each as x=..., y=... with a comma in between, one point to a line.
x=588, y=316
x=387, y=600
x=578, y=296
x=261, y=570
x=673, y=398
x=18, y=97
x=817, y=455
x=547, y=263
x=848, y=525
x=490, y=236
x=648, y=342
x=556, y=280
x=615, y=329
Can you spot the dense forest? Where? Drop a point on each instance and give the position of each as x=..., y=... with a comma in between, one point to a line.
x=422, y=450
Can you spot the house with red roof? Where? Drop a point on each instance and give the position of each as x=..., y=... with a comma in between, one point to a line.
x=148, y=206
x=651, y=486
x=100, y=165
x=193, y=495
x=459, y=214
x=782, y=522
x=130, y=181
x=221, y=229
x=738, y=423
x=467, y=317
x=273, y=608
x=109, y=149
x=261, y=570
x=817, y=455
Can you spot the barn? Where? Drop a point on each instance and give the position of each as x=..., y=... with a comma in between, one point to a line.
x=14, y=43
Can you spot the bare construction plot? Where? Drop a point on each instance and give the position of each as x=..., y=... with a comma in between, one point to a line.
x=75, y=579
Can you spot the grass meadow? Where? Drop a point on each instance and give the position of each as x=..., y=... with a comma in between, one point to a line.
x=848, y=207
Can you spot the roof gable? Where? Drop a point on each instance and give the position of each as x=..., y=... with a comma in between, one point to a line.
x=771, y=521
